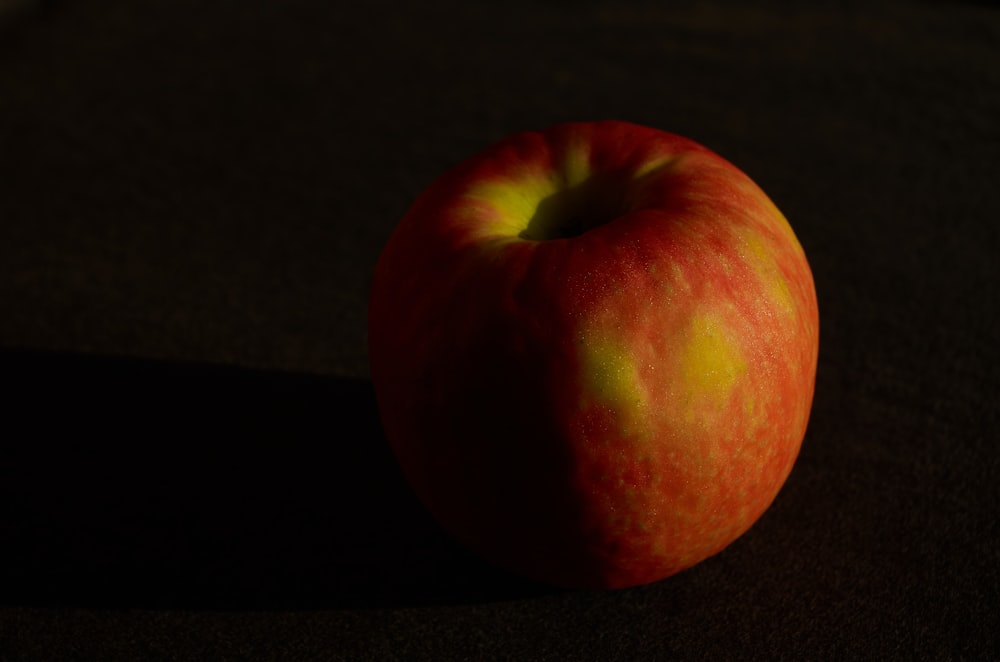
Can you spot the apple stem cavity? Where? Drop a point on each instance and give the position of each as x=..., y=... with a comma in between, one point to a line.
x=572, y=211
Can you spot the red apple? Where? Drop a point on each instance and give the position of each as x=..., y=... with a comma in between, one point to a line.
x=594, y=352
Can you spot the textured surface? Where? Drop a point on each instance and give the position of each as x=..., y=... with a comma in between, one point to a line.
x=201, y=193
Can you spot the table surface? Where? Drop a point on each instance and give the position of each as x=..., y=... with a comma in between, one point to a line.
x=192, y=200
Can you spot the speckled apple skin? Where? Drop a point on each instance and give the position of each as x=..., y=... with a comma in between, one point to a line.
x=605, y=409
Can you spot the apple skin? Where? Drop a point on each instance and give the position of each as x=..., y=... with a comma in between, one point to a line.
x=594, y=352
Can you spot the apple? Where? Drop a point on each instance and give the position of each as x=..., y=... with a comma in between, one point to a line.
x=594, y=351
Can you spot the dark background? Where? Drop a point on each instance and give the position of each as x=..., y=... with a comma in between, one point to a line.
x=192, y=199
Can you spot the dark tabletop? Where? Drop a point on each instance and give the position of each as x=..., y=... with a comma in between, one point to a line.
x=192, y=199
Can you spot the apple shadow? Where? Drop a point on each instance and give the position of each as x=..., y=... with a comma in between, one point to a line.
x=137, y=483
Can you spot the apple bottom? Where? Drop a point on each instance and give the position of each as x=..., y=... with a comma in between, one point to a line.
x=510, y=462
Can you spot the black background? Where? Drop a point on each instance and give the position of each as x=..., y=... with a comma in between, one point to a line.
x=192, y=200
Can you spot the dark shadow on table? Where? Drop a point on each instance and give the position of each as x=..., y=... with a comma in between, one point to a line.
x=136, y=483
